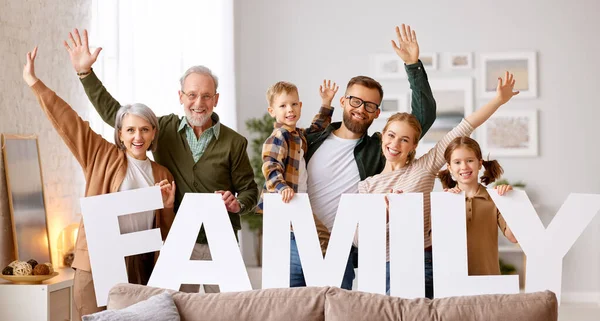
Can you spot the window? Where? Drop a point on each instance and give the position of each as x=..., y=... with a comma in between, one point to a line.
x=148, y=45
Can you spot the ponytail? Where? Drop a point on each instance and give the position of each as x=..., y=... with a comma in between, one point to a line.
x=492, y=172
x=446, y=179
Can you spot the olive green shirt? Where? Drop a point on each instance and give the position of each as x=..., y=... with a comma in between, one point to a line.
x=224, y=165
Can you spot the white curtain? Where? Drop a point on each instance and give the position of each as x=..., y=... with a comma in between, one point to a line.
x=148, y=45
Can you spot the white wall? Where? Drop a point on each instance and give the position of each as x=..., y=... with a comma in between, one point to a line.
x=24, y=24
x=306, y=41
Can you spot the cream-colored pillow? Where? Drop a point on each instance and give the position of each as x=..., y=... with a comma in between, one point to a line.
x=159, y=307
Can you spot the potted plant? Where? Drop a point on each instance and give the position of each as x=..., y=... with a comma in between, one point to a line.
x=260, y=129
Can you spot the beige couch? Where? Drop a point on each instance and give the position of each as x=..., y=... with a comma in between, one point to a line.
x=332, y=304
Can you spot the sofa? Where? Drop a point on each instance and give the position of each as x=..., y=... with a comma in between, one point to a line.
x=333, y=304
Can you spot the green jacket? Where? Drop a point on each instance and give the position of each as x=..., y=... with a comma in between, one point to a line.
x=367, y=153
x=223, y=166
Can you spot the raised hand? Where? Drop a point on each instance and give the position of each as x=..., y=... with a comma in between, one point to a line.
x=167, y=191
x=287, y=194
x=79, y=51
x=327, y=92
x=504, y=91
x=29, y=68
x=408, y=47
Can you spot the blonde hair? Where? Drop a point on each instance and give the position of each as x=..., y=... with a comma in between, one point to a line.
x=278, y=88
x=413, y=122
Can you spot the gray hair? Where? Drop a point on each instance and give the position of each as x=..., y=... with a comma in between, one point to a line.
x=141, y=111
x=199, y=69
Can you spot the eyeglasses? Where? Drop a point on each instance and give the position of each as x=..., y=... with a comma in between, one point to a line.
x=193, y=96
x=357, y=102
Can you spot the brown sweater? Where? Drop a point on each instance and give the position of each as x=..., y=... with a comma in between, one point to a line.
x=104, y=164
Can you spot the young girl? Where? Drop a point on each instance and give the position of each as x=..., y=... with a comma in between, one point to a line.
x=464, y=160
x=402, y=172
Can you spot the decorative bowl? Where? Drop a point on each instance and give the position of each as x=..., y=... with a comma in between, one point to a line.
x=28, y=279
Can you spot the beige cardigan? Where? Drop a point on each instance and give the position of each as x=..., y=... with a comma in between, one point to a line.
x=104, y=164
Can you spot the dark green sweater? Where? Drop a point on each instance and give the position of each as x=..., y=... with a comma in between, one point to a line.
x=367, y=153
x=223, y=166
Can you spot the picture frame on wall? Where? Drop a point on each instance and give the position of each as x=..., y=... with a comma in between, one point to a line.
x=510, y=132
x=523, y=65
x=429, y=60
x=387, y=66
x=460, y=60
x=454, y=101
x=391, y=104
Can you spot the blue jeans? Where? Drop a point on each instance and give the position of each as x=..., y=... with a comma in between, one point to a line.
x=428, y=275
x=297, y=275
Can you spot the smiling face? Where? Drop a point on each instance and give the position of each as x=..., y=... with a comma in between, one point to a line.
x=464, y=165
x=398, y=141
x=358, y=120
x=199, y=97
x=286, y=107
x=137, y=135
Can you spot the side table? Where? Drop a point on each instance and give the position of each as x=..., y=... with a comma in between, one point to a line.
x=52, y=300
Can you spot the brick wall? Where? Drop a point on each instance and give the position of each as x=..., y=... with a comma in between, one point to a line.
x=24, y=24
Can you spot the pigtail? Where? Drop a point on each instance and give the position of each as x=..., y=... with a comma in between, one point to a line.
x=446, y=179
x=492, y=172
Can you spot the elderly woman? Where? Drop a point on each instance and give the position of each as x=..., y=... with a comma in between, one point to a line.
x=110, y=168
x=405, y=173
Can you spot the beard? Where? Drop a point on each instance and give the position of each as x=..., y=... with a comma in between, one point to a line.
x=196, y=121
x=356, y=126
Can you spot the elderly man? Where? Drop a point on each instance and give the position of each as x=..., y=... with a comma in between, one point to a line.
x=203, y=155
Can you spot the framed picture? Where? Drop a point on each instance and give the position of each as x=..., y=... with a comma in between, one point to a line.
x=523, y=65
x=454, y=100
x=392, y=104
x=510, y=133
x=460, y=60
x=429, y=60
x=387, y=66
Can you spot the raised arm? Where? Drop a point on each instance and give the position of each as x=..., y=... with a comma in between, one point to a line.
x=504, y=92
x=323, y=118
x=82, y=61
x=83, y=142
x=423, y=104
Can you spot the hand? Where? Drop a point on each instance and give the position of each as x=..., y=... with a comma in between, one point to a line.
x=387, y=204
x=167, y=191
x=29, y=69
x=231, y=203
x=504, y=91
x=81, y=58
x=287, y=194
x=408, y=47
x=454, y=190
x=327, y=92
x=502, y=189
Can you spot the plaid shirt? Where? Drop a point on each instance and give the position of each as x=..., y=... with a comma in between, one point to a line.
x=281, y=154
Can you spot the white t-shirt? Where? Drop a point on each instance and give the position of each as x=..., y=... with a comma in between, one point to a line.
x=139, y=175
x=303, y=174
x=332, y=171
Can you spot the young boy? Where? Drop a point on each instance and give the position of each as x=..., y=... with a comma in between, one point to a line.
x=284, y=167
